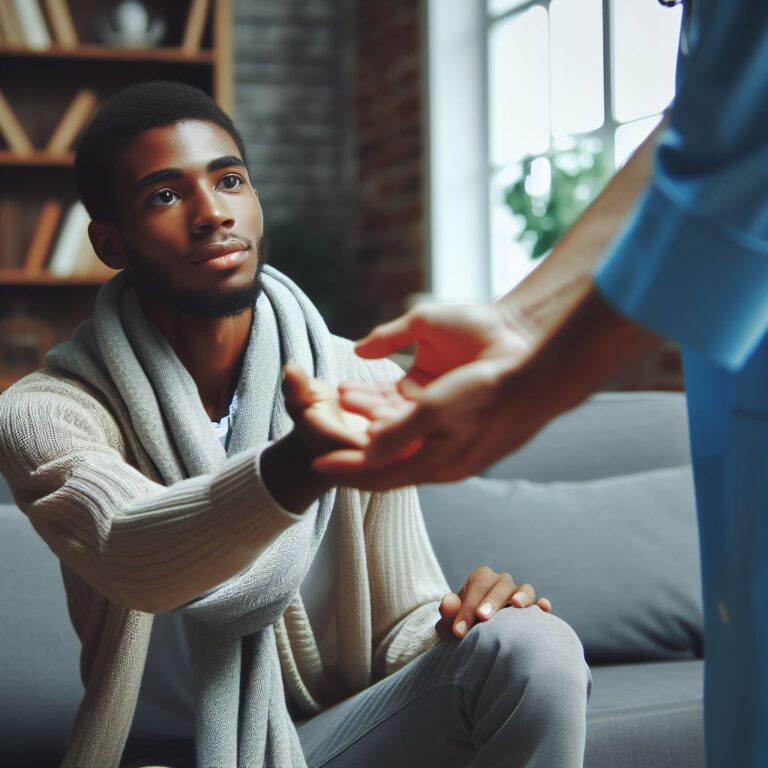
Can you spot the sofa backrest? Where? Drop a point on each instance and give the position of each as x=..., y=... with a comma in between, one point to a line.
x=612, y=434
x=598, y=513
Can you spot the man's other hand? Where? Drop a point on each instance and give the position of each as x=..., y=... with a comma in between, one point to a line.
x=483, y=595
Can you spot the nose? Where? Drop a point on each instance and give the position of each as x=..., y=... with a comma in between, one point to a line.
x=210, y=212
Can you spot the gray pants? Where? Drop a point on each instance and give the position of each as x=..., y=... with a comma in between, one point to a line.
x=512, y=694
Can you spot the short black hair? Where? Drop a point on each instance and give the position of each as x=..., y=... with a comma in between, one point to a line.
x=125, y=117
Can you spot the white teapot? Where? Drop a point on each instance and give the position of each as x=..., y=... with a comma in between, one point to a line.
x=130, y=26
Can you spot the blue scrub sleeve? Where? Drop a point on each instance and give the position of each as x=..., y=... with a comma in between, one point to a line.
x=692, y=263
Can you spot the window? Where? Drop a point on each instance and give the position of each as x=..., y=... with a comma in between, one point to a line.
x=573, y=87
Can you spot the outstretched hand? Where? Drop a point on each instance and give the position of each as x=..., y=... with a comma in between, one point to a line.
x=320, y=423
x=446, y=338
x=427, y=427
x=507, y=383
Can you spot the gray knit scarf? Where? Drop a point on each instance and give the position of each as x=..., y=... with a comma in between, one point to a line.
x=241, y=717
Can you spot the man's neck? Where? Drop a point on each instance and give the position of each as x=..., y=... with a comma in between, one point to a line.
x=211, y=349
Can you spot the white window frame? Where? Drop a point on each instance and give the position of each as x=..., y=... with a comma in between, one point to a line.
x=458, y=134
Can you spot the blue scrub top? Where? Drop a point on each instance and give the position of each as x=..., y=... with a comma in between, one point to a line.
x=692, y=264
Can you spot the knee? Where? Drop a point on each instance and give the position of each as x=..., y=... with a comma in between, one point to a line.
x=539, y=656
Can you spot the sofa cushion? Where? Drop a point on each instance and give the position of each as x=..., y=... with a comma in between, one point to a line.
x=618, y=557
x=644, y=715
x=39, y=663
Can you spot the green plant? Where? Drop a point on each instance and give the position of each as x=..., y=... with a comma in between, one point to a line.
x=576, y=171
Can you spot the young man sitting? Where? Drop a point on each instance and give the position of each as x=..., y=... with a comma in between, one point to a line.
x=234, y=610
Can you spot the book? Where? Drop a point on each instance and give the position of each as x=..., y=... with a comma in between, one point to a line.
x=10, y=21
x=10, y=242
x=88, y=263
x=195, y=28
x=32, y=24
x=69, y=243
x=10, y=127
x=42, y=238
x=71, y=123
x=60, y=19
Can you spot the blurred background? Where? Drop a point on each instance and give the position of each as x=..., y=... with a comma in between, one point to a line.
x=404, y=150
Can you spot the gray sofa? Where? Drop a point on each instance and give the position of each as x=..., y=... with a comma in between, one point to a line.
x=597, y=512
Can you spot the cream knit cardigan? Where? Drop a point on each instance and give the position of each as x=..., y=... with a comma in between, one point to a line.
x=131, y=547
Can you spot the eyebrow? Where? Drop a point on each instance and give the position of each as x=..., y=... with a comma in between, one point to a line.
x=171, y=174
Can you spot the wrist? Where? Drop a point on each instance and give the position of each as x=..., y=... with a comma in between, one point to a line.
x=591, y=344
x=286, y=469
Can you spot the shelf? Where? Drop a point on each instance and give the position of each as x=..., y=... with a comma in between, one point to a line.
x=107, y=53
x=42, y=159
x=19, y=277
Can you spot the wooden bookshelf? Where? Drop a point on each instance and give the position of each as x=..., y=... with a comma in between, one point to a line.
x=41, y=159
x=107, y=54
x=40, y=85
x=21, y=277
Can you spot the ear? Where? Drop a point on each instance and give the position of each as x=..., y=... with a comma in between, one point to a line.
x=108, y=244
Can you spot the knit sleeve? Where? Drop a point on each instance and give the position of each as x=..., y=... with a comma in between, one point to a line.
x=406, y=581
x=141, y=544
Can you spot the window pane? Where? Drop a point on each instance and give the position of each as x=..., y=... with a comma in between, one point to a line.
x=510, y=259
x=519, y=86
x=496, y=7
x=576, y=39
x=631, y=135
x=645, y=36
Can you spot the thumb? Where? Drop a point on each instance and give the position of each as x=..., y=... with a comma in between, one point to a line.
x=297, y=389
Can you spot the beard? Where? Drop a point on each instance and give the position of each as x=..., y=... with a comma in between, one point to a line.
x=230, y=302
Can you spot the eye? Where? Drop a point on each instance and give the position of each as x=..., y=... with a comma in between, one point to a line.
x=163, y=197
x=231, y=181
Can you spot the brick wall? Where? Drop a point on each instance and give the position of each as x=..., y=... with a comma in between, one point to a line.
x=290, y=107
x=387, y=157
x=329, y=98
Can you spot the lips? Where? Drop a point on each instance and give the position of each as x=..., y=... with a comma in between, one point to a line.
x=219, y=251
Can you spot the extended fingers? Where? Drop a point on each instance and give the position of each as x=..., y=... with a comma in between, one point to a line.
x=297, y=388
x=474, y=594
x=387, y=338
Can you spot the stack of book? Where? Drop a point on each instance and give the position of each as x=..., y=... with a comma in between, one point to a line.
x=60, y=244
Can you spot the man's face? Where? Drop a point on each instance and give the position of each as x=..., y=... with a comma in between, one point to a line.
x=190, y=221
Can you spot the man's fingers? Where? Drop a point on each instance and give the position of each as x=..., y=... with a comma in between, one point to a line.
x=544, y=604
x=496, y=598
x=524, y=596
x=297, y=387
x=450, y=605
x=477, y=586
x=387, y=338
